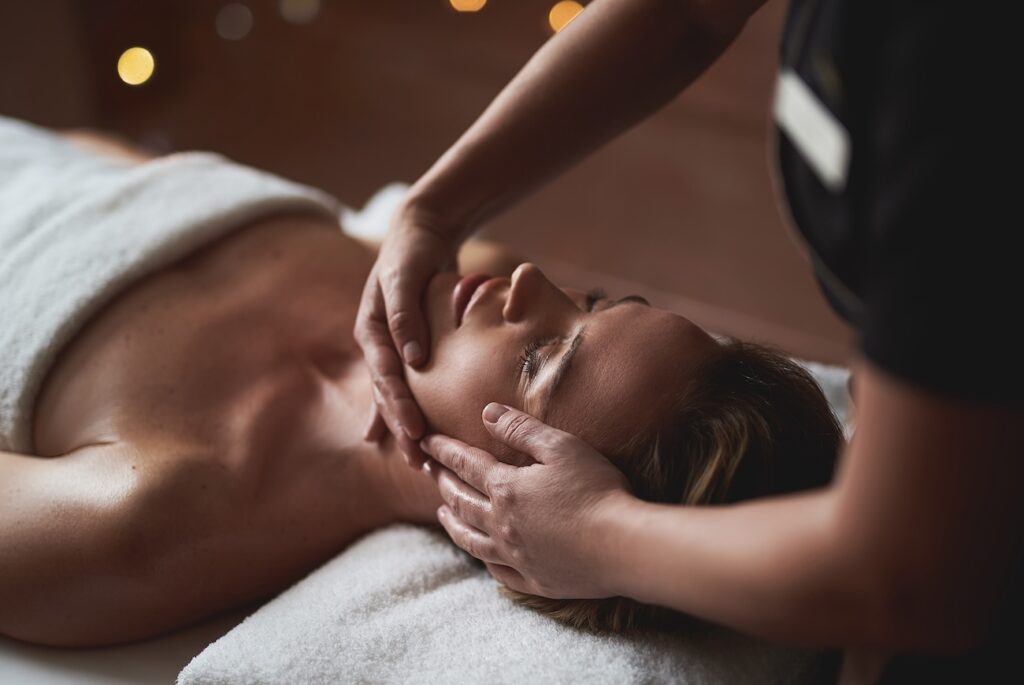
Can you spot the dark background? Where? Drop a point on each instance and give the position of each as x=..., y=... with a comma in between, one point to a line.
x=681, y=209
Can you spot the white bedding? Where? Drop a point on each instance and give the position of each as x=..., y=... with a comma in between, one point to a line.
x=153, y=662
x=403, y=605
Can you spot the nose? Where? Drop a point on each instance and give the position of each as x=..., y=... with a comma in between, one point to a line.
x=530, y=293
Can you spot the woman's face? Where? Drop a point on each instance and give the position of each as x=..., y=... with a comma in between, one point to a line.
x=600, y=369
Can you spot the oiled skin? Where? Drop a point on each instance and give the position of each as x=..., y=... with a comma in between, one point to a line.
x=204, y=443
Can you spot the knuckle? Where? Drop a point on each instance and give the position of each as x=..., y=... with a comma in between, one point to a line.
x=518, y=427
x=557, y=442
x=502, y=496
x=457, y=460
x=454, y=502
x=506, y=532
x=401, y=321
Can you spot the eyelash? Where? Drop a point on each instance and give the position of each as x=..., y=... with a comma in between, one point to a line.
x=529, y=360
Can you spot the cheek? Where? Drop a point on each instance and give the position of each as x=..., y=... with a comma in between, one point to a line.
x=452, y=390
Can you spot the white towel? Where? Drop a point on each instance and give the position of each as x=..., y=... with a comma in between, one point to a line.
x=76, y=229
x=403, y=605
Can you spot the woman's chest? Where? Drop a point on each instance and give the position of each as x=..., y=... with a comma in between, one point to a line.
x=246, y=345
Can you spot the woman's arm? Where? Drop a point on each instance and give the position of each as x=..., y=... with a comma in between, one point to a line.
x=611, y=67
x=911, y=548
x=65, y=548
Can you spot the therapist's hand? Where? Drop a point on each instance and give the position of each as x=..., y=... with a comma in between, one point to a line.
x=390, y=326
x=534, y=526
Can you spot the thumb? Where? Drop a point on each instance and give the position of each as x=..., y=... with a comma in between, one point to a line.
x=526, y=434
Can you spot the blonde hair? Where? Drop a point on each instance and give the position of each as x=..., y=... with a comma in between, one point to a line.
x=749, y=423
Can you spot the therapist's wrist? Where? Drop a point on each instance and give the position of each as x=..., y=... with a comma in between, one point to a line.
x=609, y=530
x=416, y=217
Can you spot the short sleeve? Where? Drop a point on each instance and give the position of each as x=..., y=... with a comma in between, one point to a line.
x=941, y=290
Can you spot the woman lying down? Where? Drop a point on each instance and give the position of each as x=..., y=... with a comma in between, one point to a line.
x=181, y=401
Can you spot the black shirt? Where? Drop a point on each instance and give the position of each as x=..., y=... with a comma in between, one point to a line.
x=918, y=249
x=918, y=246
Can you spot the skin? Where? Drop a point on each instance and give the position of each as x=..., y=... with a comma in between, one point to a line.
x=912, y=546
x=207, y=424
x=621, y=375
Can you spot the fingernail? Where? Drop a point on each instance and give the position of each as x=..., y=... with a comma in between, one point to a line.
x=493, y=412
x=412, y=352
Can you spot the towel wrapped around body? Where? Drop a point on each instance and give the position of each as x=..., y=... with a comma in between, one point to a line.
x=76, y=229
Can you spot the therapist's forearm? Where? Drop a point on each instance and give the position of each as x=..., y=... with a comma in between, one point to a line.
x=769, y=568
x=615, y=64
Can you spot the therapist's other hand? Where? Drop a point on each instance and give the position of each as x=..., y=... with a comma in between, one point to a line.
x=390, y=326
x=532, y=525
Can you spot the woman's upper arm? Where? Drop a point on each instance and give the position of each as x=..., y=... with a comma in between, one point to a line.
x=929, y=500
x=61, y=520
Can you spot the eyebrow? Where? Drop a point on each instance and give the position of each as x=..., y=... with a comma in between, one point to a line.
x=563, y=370
x=630, y=298
x=565, y=363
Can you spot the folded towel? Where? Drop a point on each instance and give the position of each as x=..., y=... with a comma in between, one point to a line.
x=403, y=605
x=77, y=228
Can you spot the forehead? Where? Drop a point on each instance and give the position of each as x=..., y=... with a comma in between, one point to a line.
x=631, y=362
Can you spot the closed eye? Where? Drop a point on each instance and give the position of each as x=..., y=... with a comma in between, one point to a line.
x=594, y=295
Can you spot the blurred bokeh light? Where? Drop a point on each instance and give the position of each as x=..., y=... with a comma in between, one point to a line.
x=468, y=5
x=234, y=21
x=562, y=13
x=299, y=11
x=136, y=66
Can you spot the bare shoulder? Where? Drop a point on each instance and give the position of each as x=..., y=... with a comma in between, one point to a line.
x=93, y=534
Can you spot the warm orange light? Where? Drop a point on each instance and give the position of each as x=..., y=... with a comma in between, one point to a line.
x=468, y=5
x=135, y=66
x=562, y=13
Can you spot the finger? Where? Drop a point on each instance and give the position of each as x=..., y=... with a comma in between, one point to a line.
x=508, y=576
x=469, y=504
x=410, y=449
x=376, y=428
x=470, y=539
x=476, y=467
x=394, y=400
x=403, y=294
x=526, y=434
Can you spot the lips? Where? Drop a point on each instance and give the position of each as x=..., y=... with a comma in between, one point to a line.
x=463, y=294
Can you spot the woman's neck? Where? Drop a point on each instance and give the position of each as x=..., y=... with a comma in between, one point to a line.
x=410, y=495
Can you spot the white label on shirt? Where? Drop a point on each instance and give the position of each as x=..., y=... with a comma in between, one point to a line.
x=816, y=133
